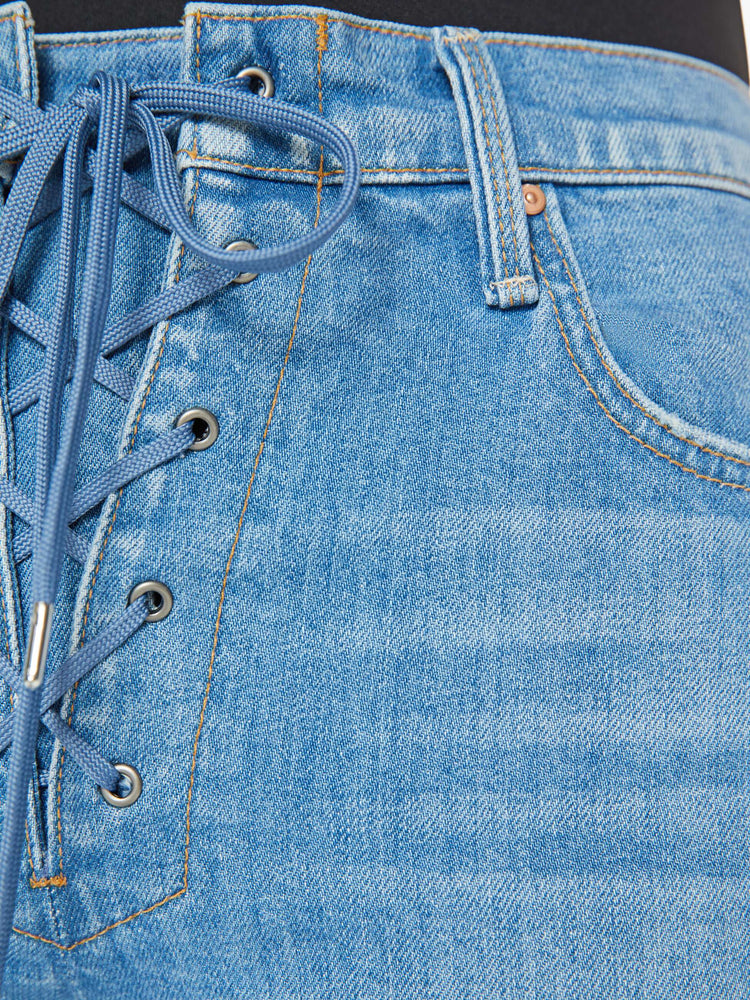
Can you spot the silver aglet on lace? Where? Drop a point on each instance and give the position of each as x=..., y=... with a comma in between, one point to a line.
x=36, y=651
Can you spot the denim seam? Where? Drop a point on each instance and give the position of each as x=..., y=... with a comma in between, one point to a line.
x=27, y=67
x=487, y=38
x=490, y=39
x=207, y=689
x=238, y=531
x=230, y=559
x=197, y=51
x=11, y=628
x=105, y=542
x=490, y=266
x=6, y=634
x=510, y=216
x=491, y=162
x=623, y=390
x=499, y=253
x=600, y=403
x=55, y=913
x=33, y=881
x=621, y=53
x=502, y=152
x=60, y=880
x=655, y=57
x=381, y=30
x=109, y=41
x=195, y=154
x=92, y=937
x=321, y=45
x=52, y=881
x=15, y=48
x=607, y=171
x=645, y=171
x=20, y=26
x=311, y=17
x=519, y=280
x=102, y=551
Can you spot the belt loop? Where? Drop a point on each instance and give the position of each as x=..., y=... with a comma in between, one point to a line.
x=502, y=229
x=18, y=69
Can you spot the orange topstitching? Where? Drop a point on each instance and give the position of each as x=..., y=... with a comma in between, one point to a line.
x=230, y=559
x=623, y=390
x=100, y=557
x=502, y=156
x=17, y=17
x=615, y=421
x=621, y=53
x=198, y=46
x=278, y=385
x=195, y=154
x=133, y=39
x=321, y=39
x=34, y=882
x=311, y=17
x=496, y=116
x=491, y=162
x=647, y=171
x=421, y=36
x=530, y=43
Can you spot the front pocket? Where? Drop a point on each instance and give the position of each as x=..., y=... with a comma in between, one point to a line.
x=661, y=346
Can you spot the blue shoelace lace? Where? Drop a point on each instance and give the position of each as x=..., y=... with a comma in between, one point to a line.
x=67, y=151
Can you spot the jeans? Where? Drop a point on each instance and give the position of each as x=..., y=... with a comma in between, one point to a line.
x=453, y=701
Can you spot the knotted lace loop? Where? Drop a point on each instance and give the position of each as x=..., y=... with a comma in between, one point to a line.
x=67, y=151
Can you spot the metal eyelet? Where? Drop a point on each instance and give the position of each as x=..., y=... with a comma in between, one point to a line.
x=205, y=427
x=136, y=787
x=161, y=598
x=242, y=279
x=267, y=85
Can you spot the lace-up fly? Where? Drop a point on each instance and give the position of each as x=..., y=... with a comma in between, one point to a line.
x=60, y=165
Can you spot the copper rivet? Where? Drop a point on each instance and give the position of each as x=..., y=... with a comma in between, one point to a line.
x=534, y=200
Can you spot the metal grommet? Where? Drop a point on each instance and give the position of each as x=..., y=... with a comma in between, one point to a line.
x=534, y=199
x=205, y=427
x=136, y=787
x=161, y=598
x=242, y=279
x=268, y=87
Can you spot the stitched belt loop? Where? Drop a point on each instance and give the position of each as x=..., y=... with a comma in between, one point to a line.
x=18, y=71
x=505, y=253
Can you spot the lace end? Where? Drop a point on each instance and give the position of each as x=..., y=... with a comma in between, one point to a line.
x=36, y=650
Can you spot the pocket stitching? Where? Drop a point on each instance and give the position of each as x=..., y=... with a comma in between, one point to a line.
x=623, y=390
x=592, y=390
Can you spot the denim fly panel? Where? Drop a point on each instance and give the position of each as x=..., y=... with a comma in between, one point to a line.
x=453, y=698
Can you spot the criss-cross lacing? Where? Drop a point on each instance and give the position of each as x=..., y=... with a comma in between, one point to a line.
x=59, y=165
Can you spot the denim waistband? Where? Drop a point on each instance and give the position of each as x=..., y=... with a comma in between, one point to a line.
x=425, y=106
x=580, y=112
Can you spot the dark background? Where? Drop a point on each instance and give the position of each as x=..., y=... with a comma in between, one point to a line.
x=708, y=29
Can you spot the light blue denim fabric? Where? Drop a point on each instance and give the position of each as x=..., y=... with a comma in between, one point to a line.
x=454, y=700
